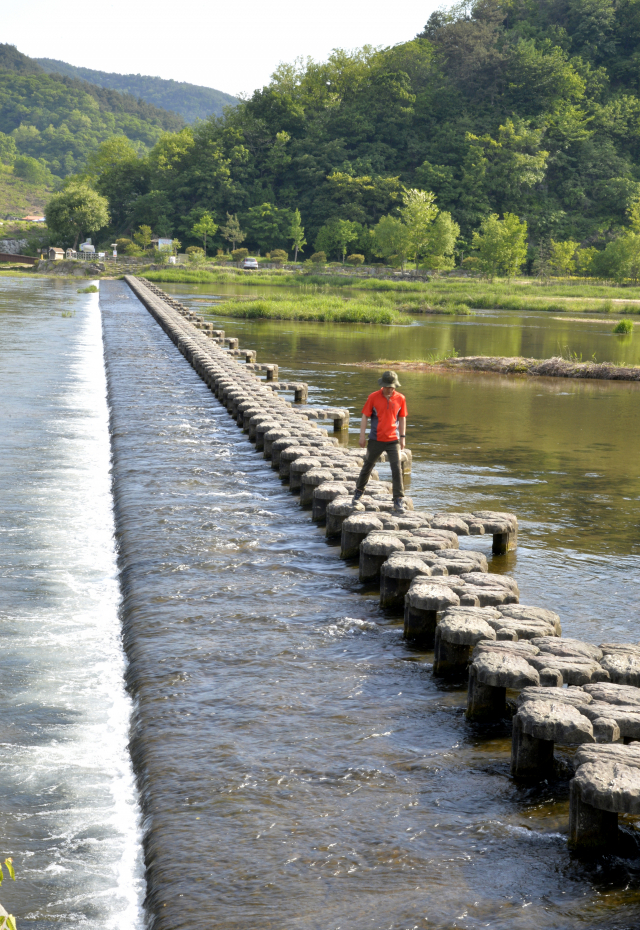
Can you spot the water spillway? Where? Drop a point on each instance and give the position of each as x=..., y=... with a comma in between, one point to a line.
x=296, y=761
x=70, y=817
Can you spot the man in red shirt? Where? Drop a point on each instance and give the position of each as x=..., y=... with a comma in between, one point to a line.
x=387, y=409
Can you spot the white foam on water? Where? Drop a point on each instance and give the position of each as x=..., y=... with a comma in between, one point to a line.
x=72, y=820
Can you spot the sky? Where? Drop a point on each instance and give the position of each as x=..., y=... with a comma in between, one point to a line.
x=233, y=47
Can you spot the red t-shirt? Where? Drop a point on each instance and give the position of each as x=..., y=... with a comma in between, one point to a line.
x=385, y=415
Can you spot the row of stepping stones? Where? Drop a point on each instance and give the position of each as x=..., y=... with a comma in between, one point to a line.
x=471, y=618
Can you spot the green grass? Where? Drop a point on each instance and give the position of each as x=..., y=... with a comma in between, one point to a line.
x=624, y=326
x=442, y=295
x=433, y=358
x=323, y=308
x=90, y=289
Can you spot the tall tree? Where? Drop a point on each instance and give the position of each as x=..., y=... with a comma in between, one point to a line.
x=206, y=226
x=75, y=212
x=143, y=236
x=392, y=240
x=296, y=234
x=231, y=231
x=336, y=235
x=501, y=244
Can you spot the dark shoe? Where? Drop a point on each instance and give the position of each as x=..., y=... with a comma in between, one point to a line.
x=399, y=505
x=355, y=500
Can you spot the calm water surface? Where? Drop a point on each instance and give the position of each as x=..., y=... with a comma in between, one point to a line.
x=69, y=811
x=300, y=766
x=532, y=334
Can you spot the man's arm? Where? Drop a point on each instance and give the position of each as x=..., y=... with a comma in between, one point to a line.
x=363, y=431
x=402, y=431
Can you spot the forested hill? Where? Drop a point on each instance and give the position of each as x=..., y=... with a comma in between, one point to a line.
x=191, y=101
x=62, y=120
x=526, y=106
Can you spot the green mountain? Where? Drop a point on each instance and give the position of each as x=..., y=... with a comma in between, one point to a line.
x=59, y=121
x=191, y=101
x=523, y=106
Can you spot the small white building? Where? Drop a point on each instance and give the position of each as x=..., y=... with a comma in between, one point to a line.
x=56, y=255
x=71, y=254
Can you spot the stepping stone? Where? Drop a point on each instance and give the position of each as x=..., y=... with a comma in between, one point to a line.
x=537, y=726
x=606, y=783
x=490, y=580
x=355, y=528
x=610, y=693
x=490, y=674
x=456, y=634
x=323, y=495
x=450, y=522
x=631, y=649
x=397, y=573
x=461, y=562
x=622, y=669
x=298, y=468
x=424, y=605
x=310, y=481
x=375, y=549
x=554, y=645
x=436, y=539
x=625, y=716
x=521, y=648
x=577, y=697
x=537, y=614
x=502, y=526
x=574, y=670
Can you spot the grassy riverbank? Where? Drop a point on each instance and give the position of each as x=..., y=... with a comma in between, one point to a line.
x=523, y=294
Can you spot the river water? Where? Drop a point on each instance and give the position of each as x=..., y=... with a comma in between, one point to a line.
x=68, y=804
x=299, y=767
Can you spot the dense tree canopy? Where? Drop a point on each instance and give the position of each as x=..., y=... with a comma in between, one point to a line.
x=191, y=101
x=63, y=120
x=525, y=107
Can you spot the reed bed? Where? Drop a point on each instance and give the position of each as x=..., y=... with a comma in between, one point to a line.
x=322, y=308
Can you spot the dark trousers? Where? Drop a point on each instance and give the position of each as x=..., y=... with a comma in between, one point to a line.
x=375, y=448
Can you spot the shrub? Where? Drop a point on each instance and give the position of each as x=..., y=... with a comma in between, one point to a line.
x=239, y=255
x=624, y=326
x=195, y=254
x=278, y=255
x=355, y=259
x=91, y=289
x=122, y=243
x=319, y=258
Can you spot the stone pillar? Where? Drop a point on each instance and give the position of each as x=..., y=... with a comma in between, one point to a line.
x=450, y=658
x=590, y=829
x=420, y=625
x=484, y=702
x=505, y=542
x=530, y=757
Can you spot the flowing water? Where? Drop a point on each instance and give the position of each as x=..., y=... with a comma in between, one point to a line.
x=299, y=767
x=68, y=805
x=299, y=761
